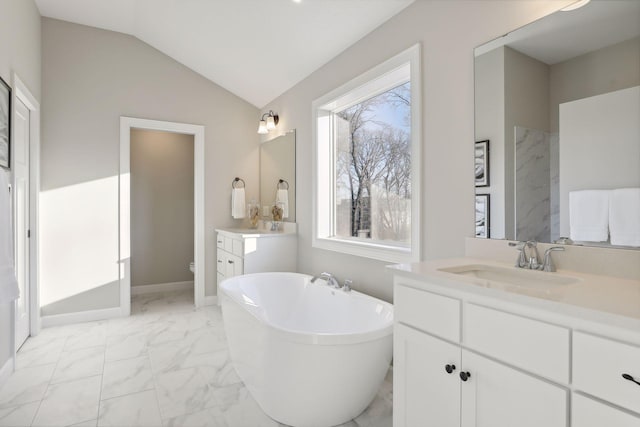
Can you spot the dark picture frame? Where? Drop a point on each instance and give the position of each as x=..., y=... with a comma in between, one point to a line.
x=483, y=215
x=5, y=124
x=482, y=163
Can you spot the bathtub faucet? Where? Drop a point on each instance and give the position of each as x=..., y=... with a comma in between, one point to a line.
x=331, y=280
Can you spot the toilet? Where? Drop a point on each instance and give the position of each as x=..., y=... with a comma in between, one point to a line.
x=192, y=266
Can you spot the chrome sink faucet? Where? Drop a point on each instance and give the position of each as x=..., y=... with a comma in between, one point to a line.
x=526, y=259
x=532, y=245
x=528, y=256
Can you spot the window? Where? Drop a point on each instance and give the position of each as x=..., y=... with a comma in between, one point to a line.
x=367, y=163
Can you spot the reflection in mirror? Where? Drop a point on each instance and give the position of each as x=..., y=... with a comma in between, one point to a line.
x=278, y=162
x=559, y=100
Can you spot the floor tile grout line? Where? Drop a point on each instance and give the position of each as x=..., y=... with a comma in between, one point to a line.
x=104, y=363
x=35, y=414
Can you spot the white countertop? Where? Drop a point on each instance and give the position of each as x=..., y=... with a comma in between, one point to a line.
x=287, y=230
x=611, y=300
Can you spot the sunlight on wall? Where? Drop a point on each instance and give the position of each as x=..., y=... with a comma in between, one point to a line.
x=78, y=238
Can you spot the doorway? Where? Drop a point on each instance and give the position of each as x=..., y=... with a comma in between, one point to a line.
x=26, y=178
x=162, y=239
x=126, y=125
x=21, y=120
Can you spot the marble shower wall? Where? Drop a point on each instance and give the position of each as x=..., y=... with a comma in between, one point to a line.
x=536, y=204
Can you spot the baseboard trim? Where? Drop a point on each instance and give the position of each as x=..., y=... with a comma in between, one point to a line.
x=162, y=287
x=211, y=300
x=6, y=370
x=81, y=316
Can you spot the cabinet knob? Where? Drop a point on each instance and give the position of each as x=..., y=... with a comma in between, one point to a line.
x=630, y=378
x=464, y=376
x=230, y=261
x=450, y=368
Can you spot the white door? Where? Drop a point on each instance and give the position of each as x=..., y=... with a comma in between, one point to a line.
x=495, y=395
x=21, y=211
x=426, y=386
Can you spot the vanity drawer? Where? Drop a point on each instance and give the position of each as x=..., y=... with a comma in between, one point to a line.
x=598, y=365
x=433, y=313
x=538, y=347
x=586, y=412
x=220, y=241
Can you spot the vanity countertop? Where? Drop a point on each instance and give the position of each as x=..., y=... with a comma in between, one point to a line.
x=603, y=299
x=287, y=229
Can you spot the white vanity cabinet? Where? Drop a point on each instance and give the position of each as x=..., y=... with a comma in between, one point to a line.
x=440, y=382
x=426, y=385
x=252, y=251
x=521, y=366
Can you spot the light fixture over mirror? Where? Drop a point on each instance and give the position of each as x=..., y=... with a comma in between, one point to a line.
x=558, y=100
x=268, y=122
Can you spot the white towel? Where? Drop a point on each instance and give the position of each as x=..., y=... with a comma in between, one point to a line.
x=589, y=215
x=624, y=216
x=282, y=196
x=8, y=285
x=238, y=208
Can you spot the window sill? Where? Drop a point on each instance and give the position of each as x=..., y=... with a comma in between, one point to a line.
x=378, y=251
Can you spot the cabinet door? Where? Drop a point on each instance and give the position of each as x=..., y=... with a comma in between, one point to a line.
x=233, y=266
x=495, y=395
x=425, y=394
x=586, y=412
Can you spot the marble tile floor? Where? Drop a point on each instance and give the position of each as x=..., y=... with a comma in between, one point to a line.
x=165, y=365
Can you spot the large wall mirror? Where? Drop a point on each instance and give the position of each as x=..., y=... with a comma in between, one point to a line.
x=278, y=171
x=559, y=103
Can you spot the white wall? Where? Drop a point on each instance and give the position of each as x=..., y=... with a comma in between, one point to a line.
x=19, y=53
x=604, y=70
x=161, y=207
x=599, y=145
x=448, y=32
x=90, y=78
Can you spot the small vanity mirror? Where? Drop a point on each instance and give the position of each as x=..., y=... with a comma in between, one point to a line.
x=278, y=162
x=559, y=103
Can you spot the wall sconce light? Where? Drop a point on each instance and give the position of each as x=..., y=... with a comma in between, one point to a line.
x=269, y=123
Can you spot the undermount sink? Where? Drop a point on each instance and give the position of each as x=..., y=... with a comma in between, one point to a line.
x=511, y=276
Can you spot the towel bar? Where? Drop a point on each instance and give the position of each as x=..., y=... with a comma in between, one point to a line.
x=281, y=183
x=236, y=181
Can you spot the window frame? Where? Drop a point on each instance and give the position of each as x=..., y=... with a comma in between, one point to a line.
x=374, y=81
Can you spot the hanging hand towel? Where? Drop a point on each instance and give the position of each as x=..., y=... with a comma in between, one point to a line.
x=624, y=217
x=238, y=207
x=8, y=285
x=589, y=215
x=282, y=196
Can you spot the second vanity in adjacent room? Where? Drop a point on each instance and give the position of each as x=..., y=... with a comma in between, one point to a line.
x=245, y=251
x=268, y=246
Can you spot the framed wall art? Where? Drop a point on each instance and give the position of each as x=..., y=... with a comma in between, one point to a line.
x=482, y=215
x=482, y=163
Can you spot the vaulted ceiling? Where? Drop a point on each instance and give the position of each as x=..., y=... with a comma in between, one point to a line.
x=256, y=49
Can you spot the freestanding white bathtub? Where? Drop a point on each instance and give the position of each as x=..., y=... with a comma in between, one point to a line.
x=310, y=355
